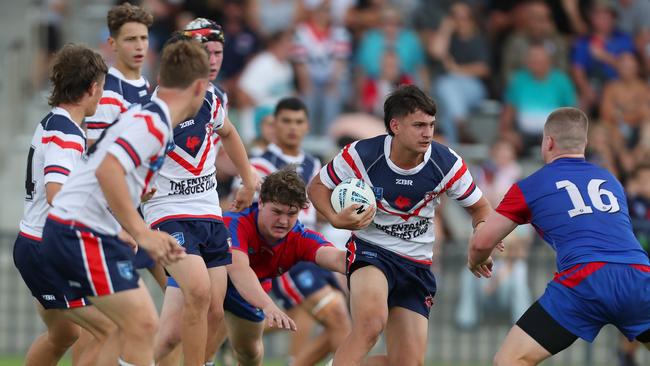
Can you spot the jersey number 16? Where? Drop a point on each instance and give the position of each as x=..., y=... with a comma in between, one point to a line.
x=595, y=195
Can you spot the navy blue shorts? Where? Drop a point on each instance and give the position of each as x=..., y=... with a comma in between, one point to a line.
x=235, y=304
x=142, y=259
x=588, y=296
x=300, y=282
x=87, y=263
x=411, y=285
x=38, y=275
x=208, y=239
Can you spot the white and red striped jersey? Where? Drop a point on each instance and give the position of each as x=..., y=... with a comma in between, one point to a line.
x=307, y=166
x=57, y=146
x=406, y=199
x=139, y=140
x=118, y=95
x=186, y=185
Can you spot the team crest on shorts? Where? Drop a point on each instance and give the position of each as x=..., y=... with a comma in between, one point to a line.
x=180, y=238
x=125, y=269
x=229, y=242
x=428, y=301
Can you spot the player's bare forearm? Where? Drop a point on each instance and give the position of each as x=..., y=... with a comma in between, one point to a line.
x=246, y=282
x=51, y=189
x=236, y=151
x=319, y=195
x=487, y=236
x=479, y=211
x=111, y=177
x=331, y=258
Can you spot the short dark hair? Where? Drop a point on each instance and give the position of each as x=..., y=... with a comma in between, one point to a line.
x=284, y=187
x=404, y=101
x=290, y=103
x=182, y=63
x=126, y=13
x=74, y=70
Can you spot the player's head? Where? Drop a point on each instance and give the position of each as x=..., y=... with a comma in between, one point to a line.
x=128, y=26
x=184, y=67
x=409, y=115
x=565, y=132
x=211, y=35
x=291, y=122
x=77, y=75
x=282, y=196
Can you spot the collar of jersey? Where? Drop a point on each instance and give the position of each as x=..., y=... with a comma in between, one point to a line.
x=399, y=170
x=288, y=158
x=138, y=83
x=62, y=112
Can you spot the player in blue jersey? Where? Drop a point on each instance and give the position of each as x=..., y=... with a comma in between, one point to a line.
x=56, y=149
x=389, y=255
x=581, y=211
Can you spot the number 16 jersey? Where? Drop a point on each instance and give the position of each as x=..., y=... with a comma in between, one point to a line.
x=579, y=209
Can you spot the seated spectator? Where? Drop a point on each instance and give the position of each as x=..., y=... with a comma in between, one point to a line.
x=462, y=51
x=531, y=95
x=375, y=90
x=537, y=28
x=321, y=52
x=625, y=107
x=599, y=148
x=267, y=78
x=594, y=56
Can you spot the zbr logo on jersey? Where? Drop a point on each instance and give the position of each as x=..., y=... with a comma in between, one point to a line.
x=180, y=238
x=125, y=269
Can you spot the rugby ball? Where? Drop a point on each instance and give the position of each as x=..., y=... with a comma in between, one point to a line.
x=351, y=191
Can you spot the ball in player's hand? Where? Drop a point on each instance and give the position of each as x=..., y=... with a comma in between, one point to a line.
x=352, y=191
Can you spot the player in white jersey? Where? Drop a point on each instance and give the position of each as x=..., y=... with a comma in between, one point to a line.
x=186, y=205
x=391, y=285
x=80, y=238
x=57, y=146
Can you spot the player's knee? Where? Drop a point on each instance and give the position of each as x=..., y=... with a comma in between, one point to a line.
x=503, y=359
x=144, y=326
x=249, y=351
x=370, y=328
x=215, y=315
x=197, y=296
x=337, y=317
x=64, y=336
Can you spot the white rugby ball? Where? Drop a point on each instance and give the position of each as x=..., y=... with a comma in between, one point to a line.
x=351, y=191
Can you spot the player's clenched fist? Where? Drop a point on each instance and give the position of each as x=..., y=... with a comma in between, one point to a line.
x=161, y=246
x=350, y=219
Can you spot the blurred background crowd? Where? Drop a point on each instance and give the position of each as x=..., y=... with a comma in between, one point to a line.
x=496, y=69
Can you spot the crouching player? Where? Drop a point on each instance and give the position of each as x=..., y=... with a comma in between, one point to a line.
x=268, y=240
x=83, y=237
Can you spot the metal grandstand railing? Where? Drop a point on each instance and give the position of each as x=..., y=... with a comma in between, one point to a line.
x=19, y=323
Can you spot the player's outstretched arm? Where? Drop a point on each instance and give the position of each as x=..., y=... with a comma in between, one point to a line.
x=111, y=177
x=248, y=285
x=484, y=240
x=236, y=151
x=331, y=258
x=348, y=219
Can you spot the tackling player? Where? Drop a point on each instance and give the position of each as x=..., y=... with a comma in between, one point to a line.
x=186, y=206
x=57, y=145
x=268, y=239
x=391, y=285
x=581, y=211
x=83, y=236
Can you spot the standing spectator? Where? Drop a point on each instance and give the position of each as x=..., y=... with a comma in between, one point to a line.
x=537, y=28
x=242, y=43
x=267, y=78
x=391, y=36
x=463, y=52
x=594, y=55
x=531, y=95
x=321, y=51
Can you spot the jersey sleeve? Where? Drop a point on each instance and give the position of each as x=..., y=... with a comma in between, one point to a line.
x=459, y=184
x=217, y=113
x=141, y=140
x=342, y=167
x=110, y=106
x=61, y=152
x=308, y=244
x=238, y=230
x=514, y=206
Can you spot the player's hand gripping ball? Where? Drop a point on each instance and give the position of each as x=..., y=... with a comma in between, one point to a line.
x=352, y=191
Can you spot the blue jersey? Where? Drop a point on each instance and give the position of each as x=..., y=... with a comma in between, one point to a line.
x=579, y=209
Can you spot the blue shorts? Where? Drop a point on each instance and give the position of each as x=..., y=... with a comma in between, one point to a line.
x=300, y=282
x=38, y=275
x=588, y=296
x=87, y=263
x=235, y=304
x=208, y=239
x=142, y=259
x=411, y=285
